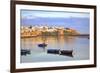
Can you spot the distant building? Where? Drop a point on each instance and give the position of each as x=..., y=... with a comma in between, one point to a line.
x=27, y=31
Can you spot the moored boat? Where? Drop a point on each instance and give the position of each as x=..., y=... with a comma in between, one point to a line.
x=53, y=51
x=60, y=52
x=25, y=51
x=42, y=45
x=67, y=53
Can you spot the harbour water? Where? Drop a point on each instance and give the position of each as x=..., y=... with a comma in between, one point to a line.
x=79, y=45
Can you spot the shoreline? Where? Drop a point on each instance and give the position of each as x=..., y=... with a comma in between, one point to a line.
x=82, y=35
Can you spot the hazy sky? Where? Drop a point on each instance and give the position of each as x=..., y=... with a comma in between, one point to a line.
x=78, y=21
x=31, y=14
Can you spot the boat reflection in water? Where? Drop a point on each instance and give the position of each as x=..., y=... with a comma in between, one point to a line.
x=51, y=51
x=60, y=52
x=52, y=48
x=57, y=51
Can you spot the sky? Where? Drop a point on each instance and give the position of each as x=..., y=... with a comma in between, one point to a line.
x=76, y=20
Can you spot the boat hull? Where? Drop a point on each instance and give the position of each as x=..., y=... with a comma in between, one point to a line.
x=60, y=52
x=42, y=45
x=25, y=52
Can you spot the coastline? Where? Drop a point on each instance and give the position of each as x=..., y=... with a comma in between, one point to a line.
x=81, y=35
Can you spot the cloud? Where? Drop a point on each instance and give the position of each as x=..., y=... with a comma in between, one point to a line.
x=28, y=16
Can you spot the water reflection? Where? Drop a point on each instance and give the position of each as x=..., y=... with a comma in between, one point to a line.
x=79, y=45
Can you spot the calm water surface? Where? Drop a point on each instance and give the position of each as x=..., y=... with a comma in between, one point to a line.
x=79, y=45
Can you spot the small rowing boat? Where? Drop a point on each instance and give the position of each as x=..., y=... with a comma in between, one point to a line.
x=61, y=52
x=25, y=51
x=42, y=45
x=67, y=53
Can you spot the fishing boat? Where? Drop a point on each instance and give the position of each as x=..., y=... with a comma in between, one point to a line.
x=67, y=53
x=42, y=45
x=25, y=51
x=53, y=51
x=60, y=52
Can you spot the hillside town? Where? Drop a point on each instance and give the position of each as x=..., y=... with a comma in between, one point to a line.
x=32, y=31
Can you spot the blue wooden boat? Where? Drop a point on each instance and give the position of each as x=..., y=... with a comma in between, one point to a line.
x=42, y=45
x=53, y=51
